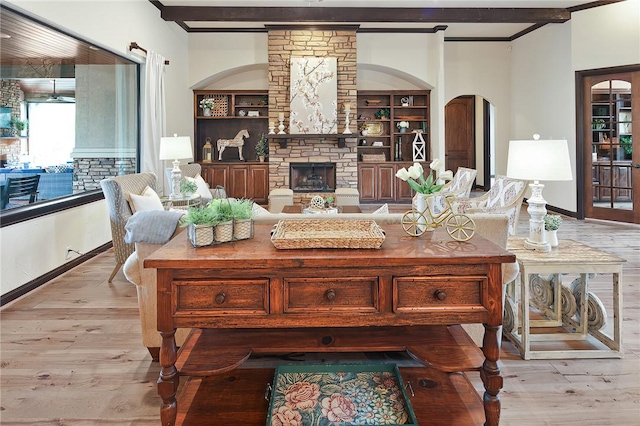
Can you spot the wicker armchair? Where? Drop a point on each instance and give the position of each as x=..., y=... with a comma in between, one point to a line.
x=505, y=196
x=115, y=191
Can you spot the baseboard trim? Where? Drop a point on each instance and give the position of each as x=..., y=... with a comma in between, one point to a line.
x=557, y=210
x=43, y=279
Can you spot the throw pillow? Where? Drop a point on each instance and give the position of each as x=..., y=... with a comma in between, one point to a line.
x=258, y=211
x=383, y=209
x=202, y=186
x=148, y=200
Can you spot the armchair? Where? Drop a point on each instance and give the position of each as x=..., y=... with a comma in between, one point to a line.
x=115, y=191
x=505, y=196
x=192, y=170
x=460, y=186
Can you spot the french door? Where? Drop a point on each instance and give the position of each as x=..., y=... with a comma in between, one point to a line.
x=611, y=153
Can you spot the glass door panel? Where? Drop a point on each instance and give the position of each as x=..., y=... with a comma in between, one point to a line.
x=611, y=109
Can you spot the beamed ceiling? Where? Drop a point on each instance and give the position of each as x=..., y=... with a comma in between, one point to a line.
x=37, y=50
x=471, y=20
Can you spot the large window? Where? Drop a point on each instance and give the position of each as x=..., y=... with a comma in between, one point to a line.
x=52, y=133
x=73, y=111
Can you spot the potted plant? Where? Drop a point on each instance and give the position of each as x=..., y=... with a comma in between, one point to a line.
x=242, y=211
x=187, y=186
x=262, y=148
x=224, y=219
x=402, y=126
x=551, y=224
x=626, y=142
x=200, y=222
x=207, y=104
x=17, y=125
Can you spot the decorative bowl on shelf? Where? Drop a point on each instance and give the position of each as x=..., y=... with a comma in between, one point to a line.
x=373, y=101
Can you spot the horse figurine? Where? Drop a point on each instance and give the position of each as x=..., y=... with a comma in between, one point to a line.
x=238, y=141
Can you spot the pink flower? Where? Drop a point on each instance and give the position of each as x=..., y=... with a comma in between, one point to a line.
x=302, y=395
x=338, y=408
x=284, y=416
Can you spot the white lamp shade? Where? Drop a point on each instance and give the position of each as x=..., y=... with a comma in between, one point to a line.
x=175, y=147
x=539, y=160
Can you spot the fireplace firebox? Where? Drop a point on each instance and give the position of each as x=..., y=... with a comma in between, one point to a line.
x=312, y=177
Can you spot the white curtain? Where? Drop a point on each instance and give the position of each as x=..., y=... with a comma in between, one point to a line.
x=154, y=117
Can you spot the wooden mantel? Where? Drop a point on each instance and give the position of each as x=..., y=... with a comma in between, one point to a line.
x=341, y=138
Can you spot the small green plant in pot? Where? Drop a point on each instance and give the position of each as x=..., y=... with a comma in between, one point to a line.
x=224, y=219
x=200, y=222
x=262, y=148
x=242, y=219
x=188, y=187
x=551, y=224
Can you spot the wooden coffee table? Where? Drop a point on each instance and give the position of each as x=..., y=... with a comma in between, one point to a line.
x=297, y=208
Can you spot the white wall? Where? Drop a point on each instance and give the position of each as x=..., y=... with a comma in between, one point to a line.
x=33, y=248
x=543, y=84
x=215, y=55
x=483, y=69
x=606, y=36
x=543, y=98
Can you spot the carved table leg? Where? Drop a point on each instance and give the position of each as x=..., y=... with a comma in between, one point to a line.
x=491, y=375
x=169, y=378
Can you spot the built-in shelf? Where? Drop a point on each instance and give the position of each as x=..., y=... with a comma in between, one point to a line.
x=341, y=138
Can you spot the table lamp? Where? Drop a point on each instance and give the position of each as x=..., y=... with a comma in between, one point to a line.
x=175, y=148
x=537, y=160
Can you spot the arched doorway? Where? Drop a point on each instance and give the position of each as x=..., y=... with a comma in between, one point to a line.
x=470, y=137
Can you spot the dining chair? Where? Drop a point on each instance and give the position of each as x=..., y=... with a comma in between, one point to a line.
x=19, y=191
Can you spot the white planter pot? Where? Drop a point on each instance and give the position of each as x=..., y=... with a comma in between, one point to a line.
x=552, y=237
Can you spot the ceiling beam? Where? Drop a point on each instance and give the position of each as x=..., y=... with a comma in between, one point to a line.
x=357, y=14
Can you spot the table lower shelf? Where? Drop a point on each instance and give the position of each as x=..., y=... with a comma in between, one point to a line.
x=237, y=397
x=214, y=351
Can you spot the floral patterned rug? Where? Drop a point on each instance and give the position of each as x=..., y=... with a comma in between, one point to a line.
x=342, y=394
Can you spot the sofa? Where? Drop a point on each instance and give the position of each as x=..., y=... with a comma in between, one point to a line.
x=491, y=226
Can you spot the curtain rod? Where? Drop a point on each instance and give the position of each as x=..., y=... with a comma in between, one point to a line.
x=135, y=45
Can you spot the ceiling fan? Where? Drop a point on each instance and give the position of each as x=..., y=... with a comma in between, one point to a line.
x=55, y=97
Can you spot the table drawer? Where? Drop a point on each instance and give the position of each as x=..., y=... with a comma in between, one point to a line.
x=356, y=294
x=245, y=297
x=415, y=294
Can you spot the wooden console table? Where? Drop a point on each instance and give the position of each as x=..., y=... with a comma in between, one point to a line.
x=570, y=257
x=247, y=297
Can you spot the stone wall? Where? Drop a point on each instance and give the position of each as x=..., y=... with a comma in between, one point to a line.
x=90, y=171
x=341, y=44
x=10, y=96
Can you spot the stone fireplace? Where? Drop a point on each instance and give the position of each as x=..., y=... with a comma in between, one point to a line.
x=283, y=44
x=312, y=177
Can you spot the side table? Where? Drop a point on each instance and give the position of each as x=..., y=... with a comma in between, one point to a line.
x=181, y=203
x=570, y=257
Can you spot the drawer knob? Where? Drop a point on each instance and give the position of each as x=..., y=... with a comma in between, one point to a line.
x=440, y=295
x=220, y=297
x=330, y=295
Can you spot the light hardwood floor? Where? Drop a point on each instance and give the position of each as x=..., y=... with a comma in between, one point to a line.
x=71, y=353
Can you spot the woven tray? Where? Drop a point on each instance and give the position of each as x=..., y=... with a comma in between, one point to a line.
x=353, y=234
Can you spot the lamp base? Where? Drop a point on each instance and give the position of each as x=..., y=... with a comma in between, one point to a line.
x=176, y=177
x=543, y=247
x=537, y=211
